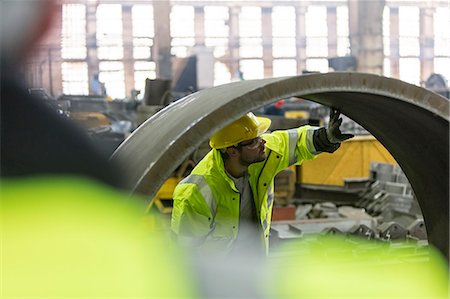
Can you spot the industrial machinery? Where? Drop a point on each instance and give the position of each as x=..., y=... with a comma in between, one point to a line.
x=386, y=210
x=50, y=101
x=438, y=84
x=108, y=123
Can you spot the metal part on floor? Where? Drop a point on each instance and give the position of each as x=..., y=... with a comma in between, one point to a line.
x=390, y=196
x=411, y=122
x=386, y=211
x=326, y=218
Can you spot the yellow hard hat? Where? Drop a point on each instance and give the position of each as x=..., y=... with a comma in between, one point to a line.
x=245, y=128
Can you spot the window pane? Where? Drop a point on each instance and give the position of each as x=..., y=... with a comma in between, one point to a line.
x=386, y=67
x=316, y=21
x=112, y=74
x=284, y=67
x=73, y=41
x=442, y=66
x=250, y=22
x=141, y=52
x=143, y=23
x=217, y=29
x=408, y=21
x=410, y=70
x=343, y=46
x=142, y=71
x=220, y=45
x=343, y=41
x=109, y=31
x=317, y=65
x=182, y=46
x=283, y=47
x=142, y=48
x=182, y=21
x=221, y=74
x=252, y=69
x=442, y=31
x=251, y=47
x=180, y=51
x=75, y=78
x=409, y=46
x=216, y=21
x=180, y=41
x=143, y=31
x=283, y=21
x=386, y=31
x=316, y=46
x=182, y=30
x=342, y=21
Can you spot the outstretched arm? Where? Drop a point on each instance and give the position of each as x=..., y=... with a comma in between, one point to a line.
x=329, y=139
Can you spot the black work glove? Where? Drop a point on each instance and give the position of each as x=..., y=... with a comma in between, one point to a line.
x=334, y=134
x=329, y=139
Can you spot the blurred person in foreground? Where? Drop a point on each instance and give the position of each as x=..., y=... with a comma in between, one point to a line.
x=34, y=139
x=67, y=230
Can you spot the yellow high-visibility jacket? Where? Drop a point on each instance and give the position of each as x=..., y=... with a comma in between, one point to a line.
x=206, y=203
x=89, y=238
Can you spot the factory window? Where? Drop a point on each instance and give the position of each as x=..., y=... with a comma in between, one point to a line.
x=442, y=41
x=386, y=42
x=109, y=31
x=343, y=42
x=410, y=70
x=409, y=49
x=386, y=67
x=409, y=31
x=112, y=74
x=284, y=67
x=252, y=69
x=283, y=32
x=250, y=33
x=442, y=66
x=143, y=31
x=442, y=31
x=221, y=74
x=73, y=43
x=217, y=29
x=317, y=65
x=316, y=38
x=142, y=71
x=182, y=30
x=75, y=78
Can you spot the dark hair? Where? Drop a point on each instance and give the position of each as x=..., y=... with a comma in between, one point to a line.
x=224, y=154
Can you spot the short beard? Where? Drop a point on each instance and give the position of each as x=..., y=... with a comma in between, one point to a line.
x=247, y=163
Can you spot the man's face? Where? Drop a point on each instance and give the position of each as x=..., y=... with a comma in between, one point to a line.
x=252, y=151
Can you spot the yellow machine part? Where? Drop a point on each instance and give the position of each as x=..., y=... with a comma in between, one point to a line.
x=163, y=199
x=164, y=195
x=351, y=160
x=90, y=120
x=297, y=114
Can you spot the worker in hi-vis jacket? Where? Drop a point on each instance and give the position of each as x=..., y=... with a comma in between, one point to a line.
x=231, y=188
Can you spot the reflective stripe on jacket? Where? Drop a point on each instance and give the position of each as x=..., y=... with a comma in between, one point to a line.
x=206, y=203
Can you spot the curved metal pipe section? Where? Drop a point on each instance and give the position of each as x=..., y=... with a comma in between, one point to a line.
x=411, y=122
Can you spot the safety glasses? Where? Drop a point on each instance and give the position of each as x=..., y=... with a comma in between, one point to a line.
x=251, y=144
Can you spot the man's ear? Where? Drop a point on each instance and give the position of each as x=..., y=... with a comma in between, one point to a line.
x=232, y=151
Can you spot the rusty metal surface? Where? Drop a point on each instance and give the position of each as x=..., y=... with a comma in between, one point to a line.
x=411, y=122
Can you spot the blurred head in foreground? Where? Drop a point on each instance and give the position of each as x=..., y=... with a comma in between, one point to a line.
x=22, y=24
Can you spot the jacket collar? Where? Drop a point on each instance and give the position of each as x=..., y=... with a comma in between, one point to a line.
x=220, y=167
